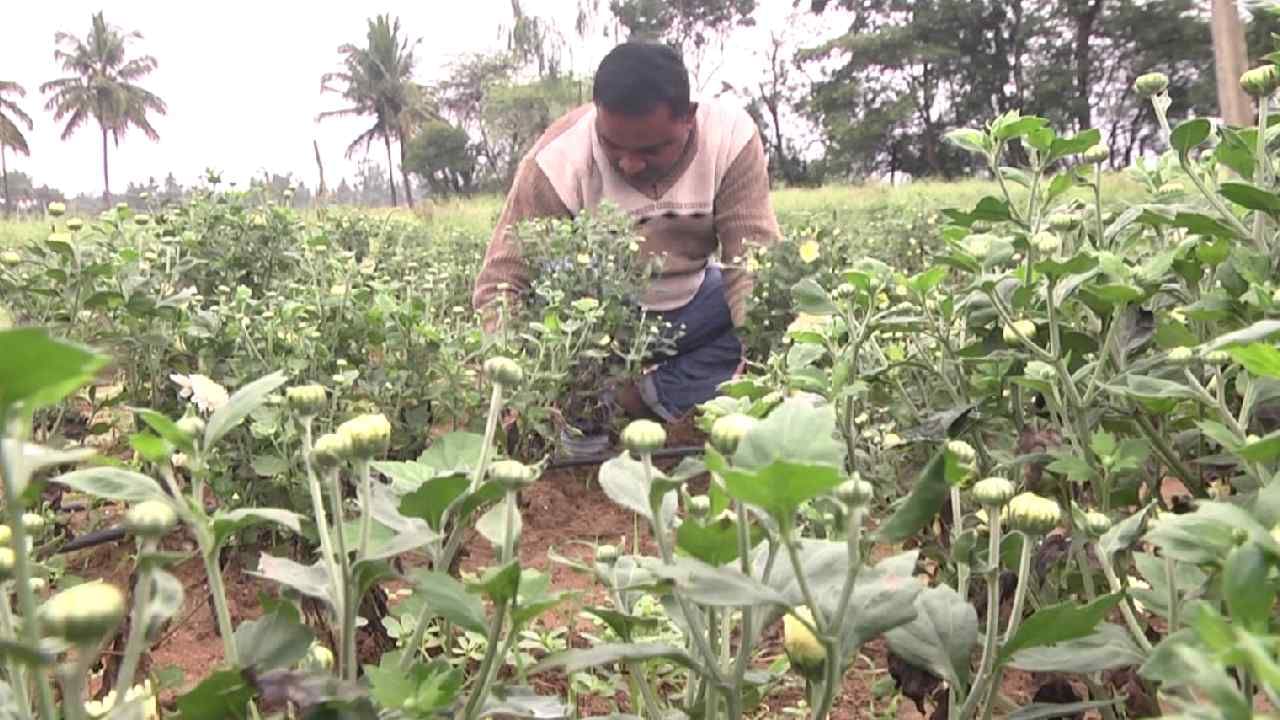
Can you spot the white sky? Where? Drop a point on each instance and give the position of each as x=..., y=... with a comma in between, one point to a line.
x=242, y=79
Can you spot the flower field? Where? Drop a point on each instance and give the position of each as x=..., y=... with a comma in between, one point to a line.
x=1001, y=449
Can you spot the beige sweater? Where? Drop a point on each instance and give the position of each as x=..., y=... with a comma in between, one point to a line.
x=716, y=198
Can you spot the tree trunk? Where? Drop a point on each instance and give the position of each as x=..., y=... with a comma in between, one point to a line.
x=106, y=177
x=404, y=174
x=4, y=178
x=1084, y=31
x=323, y=191
x=1229, y=62
x=391, y=169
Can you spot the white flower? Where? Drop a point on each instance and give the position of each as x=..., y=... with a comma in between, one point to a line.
x=208, y=395
x=96, y=709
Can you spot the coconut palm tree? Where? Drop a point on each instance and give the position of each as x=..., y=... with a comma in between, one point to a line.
x=10, y=134
x=377, y=80
x=102, y=85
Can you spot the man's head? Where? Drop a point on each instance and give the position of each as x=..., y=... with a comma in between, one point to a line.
x=643, y=112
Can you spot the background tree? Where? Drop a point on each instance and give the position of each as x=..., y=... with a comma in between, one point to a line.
x=102, y=85
x=698, y=28
x=444, y=157
x=377, y=80
x=10, y=134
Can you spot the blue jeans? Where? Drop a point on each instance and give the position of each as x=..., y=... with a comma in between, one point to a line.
x=707, y=352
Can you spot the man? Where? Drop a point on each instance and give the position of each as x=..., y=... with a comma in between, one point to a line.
x=695, y=179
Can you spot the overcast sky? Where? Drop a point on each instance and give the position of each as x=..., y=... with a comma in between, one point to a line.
x=242, y=79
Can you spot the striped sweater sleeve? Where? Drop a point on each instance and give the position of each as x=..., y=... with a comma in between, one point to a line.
x=504, y=275
x=744, y=219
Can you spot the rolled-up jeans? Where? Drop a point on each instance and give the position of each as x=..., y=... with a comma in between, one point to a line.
x=707, y=352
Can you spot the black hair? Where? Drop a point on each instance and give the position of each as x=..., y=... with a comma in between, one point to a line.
x=636, y=77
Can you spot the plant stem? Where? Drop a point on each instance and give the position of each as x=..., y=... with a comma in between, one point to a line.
x=9, y=469
x=1262, y=174
x=1020, y=595
x=490, y=430
x=344, y=600
x=1170, y=457
x=509, y=533
x=1097, y=202
x=137, y=623
x=993, y=616
x=366, y=507
x=13, y=670
x=218, y=594
x=1169, y=571
x=1129, y=618
x=73, y=682
x=957, y=522
x=472, y=709
x=321, y=517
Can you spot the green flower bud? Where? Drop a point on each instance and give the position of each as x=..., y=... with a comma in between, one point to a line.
x=1151, y=84
x=150, y=519
x=979, y=245
x=1260, y=81
x=57, y=209
x=1032, y=514
x=33, y=522
x=1216, y=357
x=1239, y=536
x=307, y=401
x=7, y=559
x=1181, y=355
x=369, y=434
x=1046, y=243
x=1062, y=222
x=10, y=258
x=993, y=492
x=318, y=659
x=142, y=219
x=606, y=554
x=1026, y=328
x=331, y=450
x=845, y=290
x=191, y=426
x=966, y=458
x=803, y=648
x=122, y=207
x=1096, y=155
x=642, y=437
x=1042, y=371
x=699, y=506
x=75, y=224
x=504, y=371
x=6, y=535
x=84, y=613
x=727, y=432
x=1096, y=523
x=855, y=492
x=511, y=474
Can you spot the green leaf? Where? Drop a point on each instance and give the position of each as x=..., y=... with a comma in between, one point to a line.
x=1259, y=359
x=714, y=542
x=942, y=636
x=623, y=625
x=1260, y=331
x=152, y=448
x=1156, y=394
x=1251, y=196
x=222, y=695
x=38, y=371
x=1244, y=585
x=1208, y=534
x=268, y=466
x=493, y=524
x=454, y=453
x=1050, y=711
x=623, y=480
x=1009, y=130
x=165, y=428
x=975, y=141
x=499, y=584
x=227, y=523
x=1075, y=468
x=390, y=686
x=810, y=297
x=275, y=640
x=110, y=483
x=1062, y=147
x=778, y=488
x=572, y=661
x=1189, y=134
x=432, y=497
x=921, y=506
x=1263, y=450
x=241, y=403
x=1126, y=533
x=1109, y=647
x=1203, y=225
x=926, y=281
x=1079, y=263
x=883, y=599
x=167, y=595
x=795, y=431
x=1057, y=624
x=310, y=580
x=715, y=586
x=448, y=598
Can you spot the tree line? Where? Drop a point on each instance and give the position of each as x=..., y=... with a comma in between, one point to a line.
x=874, y=101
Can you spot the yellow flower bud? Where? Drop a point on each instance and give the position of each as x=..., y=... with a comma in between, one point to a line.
x=727, y=432
x=643, y=437
x=84, y=613
x=1151, y=84
x=150, y=518
x=993, y=492
x=57, y=209
x=1032, y=514
x=369, y=434
x=1260, y=81
x=803, y=648
x=307, y=400
x=1025, y=328
x=331, y=450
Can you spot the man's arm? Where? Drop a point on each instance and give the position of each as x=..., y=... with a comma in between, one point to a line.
x=504, y=275
x=744, y=220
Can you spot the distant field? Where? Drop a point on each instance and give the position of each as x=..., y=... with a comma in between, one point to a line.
x=477, y=214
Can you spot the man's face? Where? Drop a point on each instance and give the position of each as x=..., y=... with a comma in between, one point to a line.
x=643, y=147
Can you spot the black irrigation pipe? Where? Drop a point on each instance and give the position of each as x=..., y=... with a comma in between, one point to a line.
x=114, y=534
